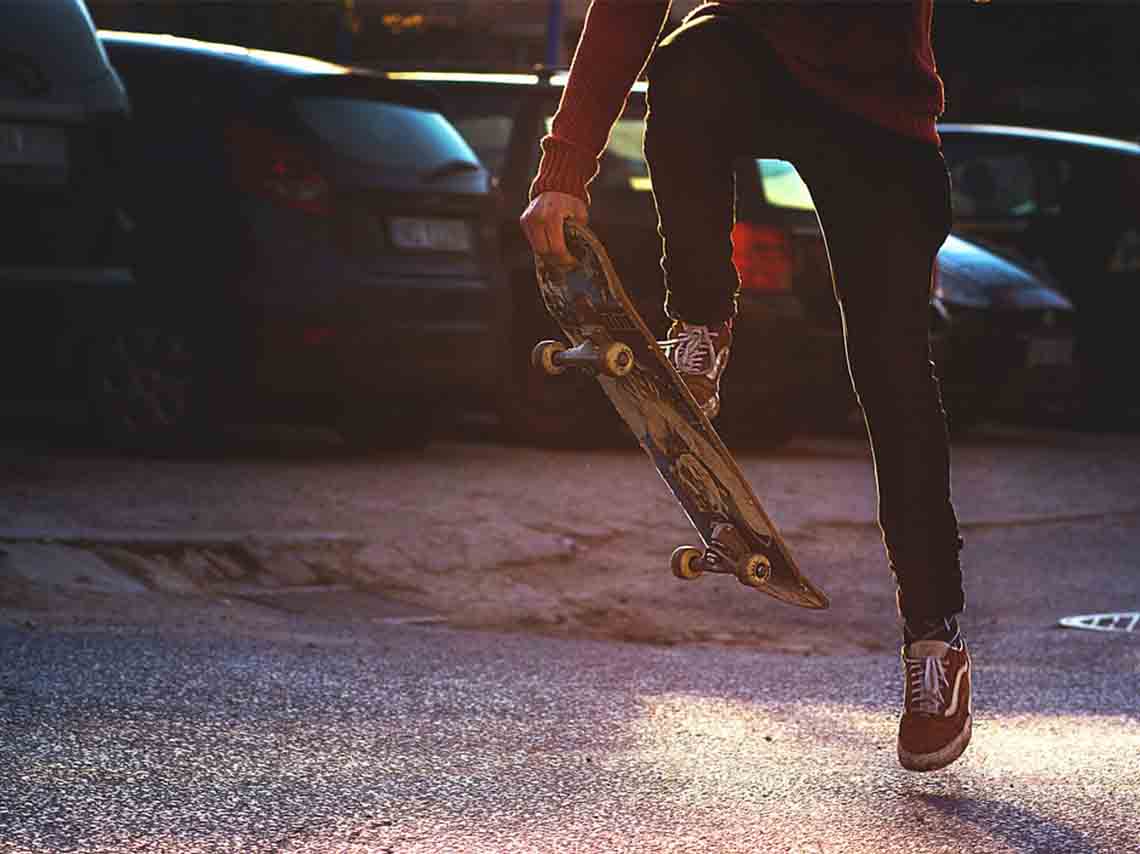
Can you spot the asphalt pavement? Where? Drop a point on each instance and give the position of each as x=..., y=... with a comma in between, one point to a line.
x=361, y=737
x=305, y=653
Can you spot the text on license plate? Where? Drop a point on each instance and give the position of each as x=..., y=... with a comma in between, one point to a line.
x=423, y=233
x=1049, y=352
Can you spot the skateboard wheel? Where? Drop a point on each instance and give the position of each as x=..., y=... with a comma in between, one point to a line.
x=543, y=357
x=683, y=562
x=754, y=571
x=617, y=360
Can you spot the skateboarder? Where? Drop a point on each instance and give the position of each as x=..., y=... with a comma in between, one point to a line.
x=849, y=93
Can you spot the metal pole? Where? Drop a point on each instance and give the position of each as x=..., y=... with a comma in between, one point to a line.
x=346, y=31
x=554, y=33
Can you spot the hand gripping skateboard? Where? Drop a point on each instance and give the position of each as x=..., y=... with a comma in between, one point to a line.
x=610, y=340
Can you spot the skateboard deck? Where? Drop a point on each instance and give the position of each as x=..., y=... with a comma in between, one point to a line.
x=609, y=339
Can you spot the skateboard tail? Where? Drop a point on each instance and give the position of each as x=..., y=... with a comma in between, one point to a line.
x=784, y=580
x=798, y=591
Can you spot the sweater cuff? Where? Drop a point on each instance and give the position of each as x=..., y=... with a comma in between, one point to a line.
x=564, y=168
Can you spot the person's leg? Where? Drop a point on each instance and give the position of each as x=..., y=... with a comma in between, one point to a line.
x=696, y=126
x=883, y=202
x=706, y=84
x=717, y=92
x=884, y=207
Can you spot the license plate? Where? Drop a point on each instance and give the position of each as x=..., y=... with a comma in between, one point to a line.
x=32, y=145
x=431, y=235
x=1050, y=352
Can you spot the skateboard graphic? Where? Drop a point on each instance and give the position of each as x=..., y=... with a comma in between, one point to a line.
x=609, y=339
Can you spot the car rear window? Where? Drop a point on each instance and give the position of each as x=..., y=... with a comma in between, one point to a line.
x=623, y=167
x=1006, y=184
x=490, y=136
x=783, y=186
x=51, y=44
x=392, y=135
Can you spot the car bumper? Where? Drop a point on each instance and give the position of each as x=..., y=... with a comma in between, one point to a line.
x=338, y=355
x=780, y=355
x=1004, y=364
x=424, y=337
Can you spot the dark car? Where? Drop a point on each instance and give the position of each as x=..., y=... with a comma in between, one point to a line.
x=1067, y=204
x=320, y=238
x=1001, y=333
x=788, y=368
x=63, y=256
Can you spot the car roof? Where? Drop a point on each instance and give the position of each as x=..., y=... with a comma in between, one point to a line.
x=285, y=64
x=555, y=78
x=1084, y=140
x=542, y=77
x=262, y=71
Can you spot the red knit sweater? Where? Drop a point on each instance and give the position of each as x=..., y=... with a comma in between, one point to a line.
x=872, y=58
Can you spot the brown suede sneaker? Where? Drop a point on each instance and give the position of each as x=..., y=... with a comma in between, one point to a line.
x=936, y=723
x=700, y=355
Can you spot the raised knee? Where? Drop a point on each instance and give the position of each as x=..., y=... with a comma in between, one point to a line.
x=691, y=66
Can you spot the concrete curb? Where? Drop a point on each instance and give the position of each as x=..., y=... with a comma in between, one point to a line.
x=304, y=573
x=201, y=539
x=65, y=567
x=138, y=562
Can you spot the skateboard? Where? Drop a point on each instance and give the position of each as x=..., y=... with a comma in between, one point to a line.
x=609, y=339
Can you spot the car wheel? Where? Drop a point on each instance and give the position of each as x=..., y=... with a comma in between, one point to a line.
x=144, y=388
x=397, y=426
x=567, y=411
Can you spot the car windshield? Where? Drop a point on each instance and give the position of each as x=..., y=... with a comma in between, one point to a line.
x=393, y=135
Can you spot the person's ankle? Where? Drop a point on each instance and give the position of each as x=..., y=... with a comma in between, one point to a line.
x=943, y=629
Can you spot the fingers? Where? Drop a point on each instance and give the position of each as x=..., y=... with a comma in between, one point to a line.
x=534, y=227
x=555, y=236
x=542, y=223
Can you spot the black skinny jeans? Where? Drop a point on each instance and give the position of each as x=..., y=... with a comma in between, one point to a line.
x=717, y=92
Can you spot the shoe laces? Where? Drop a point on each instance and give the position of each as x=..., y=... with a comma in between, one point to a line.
x=692, y=351
x=926, y=677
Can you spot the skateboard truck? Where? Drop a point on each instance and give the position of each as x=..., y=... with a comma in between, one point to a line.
x=727, y=553
x=613, y=359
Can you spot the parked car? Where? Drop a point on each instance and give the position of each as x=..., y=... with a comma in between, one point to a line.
x=321, y=239
x=1001, y=334
x=63, y=258
x=1001, y=330
x=1067, y=204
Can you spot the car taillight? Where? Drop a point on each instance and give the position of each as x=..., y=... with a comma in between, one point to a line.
x=273, y=168
x=763, y=257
